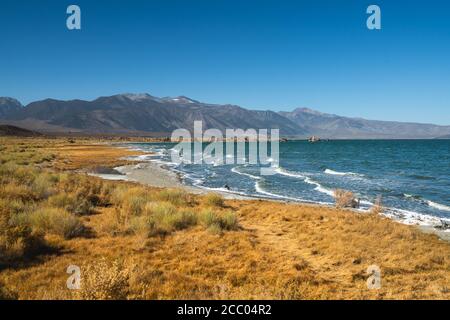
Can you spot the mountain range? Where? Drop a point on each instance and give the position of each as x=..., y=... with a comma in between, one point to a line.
x=143, y=114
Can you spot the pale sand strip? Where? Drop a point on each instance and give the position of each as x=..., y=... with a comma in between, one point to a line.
x=155, y=175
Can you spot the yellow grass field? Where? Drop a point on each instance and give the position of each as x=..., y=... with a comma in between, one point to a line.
x=136, y=242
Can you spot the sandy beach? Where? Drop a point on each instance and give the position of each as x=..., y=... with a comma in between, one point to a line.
x=154, y=174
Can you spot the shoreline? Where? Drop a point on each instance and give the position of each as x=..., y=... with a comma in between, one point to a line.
x=258, y=248
x=154, y=174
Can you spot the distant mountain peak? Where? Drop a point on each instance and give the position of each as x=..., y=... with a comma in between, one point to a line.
x=180, y=99
x=9, y=106
x=308, y=110
x=7, y=101
x=137, y=96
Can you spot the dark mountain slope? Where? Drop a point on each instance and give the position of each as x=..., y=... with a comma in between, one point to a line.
x=143, y=113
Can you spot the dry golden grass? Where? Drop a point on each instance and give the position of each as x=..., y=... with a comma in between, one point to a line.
x=73, y=157
x=265, y=250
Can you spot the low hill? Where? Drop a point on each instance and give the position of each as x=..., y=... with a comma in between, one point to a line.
x=7, y=130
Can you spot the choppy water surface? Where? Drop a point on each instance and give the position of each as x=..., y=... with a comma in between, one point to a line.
x=412, y=176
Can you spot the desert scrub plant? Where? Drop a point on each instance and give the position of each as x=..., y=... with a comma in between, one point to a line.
x=104, y=280
x=214, y=200
x=14, y=191
x=17, y=240
x=218, y=222
x=171, y=221
x=54, y=221
x=345, y=199
x=177, y=197
x=44, y=185
x=162, y=218
x=75, y=204
x=129, y=203
x=377, y=207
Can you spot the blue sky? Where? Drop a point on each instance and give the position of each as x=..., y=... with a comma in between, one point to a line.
x=261, y=54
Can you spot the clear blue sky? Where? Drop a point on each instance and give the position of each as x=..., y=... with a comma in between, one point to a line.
x=258, y=54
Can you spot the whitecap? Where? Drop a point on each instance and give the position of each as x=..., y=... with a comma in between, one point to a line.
x=319, y=187
x=438, y=205
x=259, y=189
x=235, y=170
x=337, y=173
x=413, y=218
x=284, y=172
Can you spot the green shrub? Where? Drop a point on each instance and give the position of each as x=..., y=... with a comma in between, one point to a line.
x=177, y=197
x=55, y=221
x=160, y=208
x=214, y=200
x=13, y=191
x=216, y=221
x=162, y=218
x=71, y=203
x=43, y=186
x=169, y=222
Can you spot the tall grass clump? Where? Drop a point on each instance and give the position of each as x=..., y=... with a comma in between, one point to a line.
x=214, y=200
x=44, y=185
x=219, y=221
x=345, y=199
x=162, y=218
x=17, y=240
x=177, y=197
x=54, y=221
x=129, y=203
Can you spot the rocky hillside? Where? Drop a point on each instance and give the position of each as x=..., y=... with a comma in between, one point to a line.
x=143, y=114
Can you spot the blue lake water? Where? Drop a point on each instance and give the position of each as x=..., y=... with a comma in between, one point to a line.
x=411, y=176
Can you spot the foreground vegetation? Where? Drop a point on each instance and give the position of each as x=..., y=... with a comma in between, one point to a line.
x=136, y=242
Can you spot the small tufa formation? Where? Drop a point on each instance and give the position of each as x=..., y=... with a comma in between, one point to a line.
x=346, y=199
x=313, y=139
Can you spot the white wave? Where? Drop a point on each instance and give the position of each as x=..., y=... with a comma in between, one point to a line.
x=284, y=172
x=365, y=202
x=438, y=205
x=259, y=189
x=319, y=187
x=337, y=173
x=225, y=190
x=235, y=170
x=414, y=218
x=271, y=195
x=143, y=157
x=430, y=203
